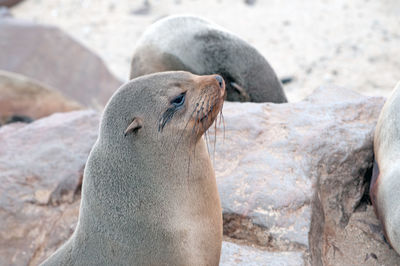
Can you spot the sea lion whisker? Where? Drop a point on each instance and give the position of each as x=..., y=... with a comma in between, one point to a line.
x=215, y=138
x=197, y=115
x=215, y=98
x=207, y=142
x=183, y=131
x=205, y=130
x=188, y=170
x=222, y=120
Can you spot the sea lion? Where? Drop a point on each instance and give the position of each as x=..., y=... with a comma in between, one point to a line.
x=149, y=194
x=193, y=44
x=385, y=183
x=21, y=96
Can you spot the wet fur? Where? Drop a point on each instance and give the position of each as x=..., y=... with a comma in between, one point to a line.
x=193, y=44
x=138, y=205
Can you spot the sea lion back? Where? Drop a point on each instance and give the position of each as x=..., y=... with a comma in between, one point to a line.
x=196, y=45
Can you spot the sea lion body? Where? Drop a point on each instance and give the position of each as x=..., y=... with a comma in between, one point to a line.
x=385, y=183
x=149, y=194
x=193, y=44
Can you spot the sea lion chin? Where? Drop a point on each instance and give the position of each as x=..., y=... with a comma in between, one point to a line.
x=149, y=194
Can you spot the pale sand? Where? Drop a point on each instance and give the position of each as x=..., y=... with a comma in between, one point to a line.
x=354, y=44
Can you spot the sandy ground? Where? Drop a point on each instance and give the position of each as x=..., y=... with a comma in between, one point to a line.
x=354, y=44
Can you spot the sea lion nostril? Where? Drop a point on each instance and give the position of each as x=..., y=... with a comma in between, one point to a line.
x=220, y=81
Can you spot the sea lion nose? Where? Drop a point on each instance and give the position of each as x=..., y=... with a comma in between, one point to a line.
x=220, y=81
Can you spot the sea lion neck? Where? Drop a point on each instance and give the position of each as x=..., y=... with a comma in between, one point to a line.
x=165, y=174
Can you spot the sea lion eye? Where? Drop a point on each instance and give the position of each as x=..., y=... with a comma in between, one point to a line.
x=179, y=100
x=177, y=104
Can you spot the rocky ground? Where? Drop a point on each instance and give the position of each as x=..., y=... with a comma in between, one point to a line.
x=297, y=197
x=293, y=177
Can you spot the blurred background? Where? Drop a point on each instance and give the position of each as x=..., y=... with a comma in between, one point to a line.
x=354, y=44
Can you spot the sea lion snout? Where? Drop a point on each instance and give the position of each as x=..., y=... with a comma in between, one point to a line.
x=208, y=101
x=212, y=80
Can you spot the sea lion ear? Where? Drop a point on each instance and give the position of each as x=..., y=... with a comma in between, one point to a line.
x=137, y=123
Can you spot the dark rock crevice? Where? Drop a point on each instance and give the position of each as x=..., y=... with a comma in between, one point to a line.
x=242, y=228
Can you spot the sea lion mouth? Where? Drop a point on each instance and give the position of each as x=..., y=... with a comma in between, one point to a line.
x=211, y=111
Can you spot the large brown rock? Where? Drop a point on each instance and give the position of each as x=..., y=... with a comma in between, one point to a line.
x=20, y=95
x=41, y=166
x=291, y=175
x=47, y=54
x=359, y=242
x=292, y=179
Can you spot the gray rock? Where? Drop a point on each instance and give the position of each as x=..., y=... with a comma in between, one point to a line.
x=233, y=254
x=47, y=54
x=284, y=171
x=291, y=178
x=41, y=168
x=360, y=242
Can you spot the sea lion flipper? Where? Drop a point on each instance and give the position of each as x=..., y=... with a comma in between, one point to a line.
x=241, y=91
x=136, y=124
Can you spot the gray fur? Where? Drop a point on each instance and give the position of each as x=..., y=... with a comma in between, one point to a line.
x=387, y=154
x=193, y=44
x=150, y=197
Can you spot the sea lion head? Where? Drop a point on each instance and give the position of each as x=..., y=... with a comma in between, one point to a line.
x=168, y=105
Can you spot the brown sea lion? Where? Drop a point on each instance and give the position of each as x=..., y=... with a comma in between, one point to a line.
x=149, y=194
x=385, y=183
x=24, y=97
x=193, y=44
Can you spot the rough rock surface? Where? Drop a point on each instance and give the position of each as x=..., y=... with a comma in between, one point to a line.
x=41, y=168
x=292, y=179
x=20, y=95
x=291, y=175
x=360, y=242
x=233, y=254
x=47, y=54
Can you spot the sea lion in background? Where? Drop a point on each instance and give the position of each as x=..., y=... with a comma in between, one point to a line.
x=149, y=194
x=385, y=183
x=22, y=97
x=193, y=44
